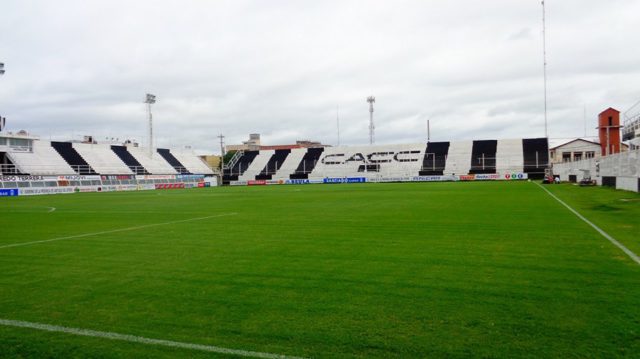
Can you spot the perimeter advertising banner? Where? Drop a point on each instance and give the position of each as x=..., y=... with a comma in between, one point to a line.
x=78, y=178
x=117, y=177
x=21, y=178
x=45, y=190
x=155, y=177
x=345, y=180
x=8, y=192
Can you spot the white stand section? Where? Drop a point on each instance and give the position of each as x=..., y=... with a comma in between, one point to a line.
x=257, y=165
x=43, y=161
x=155, y=164
x=192, y=162
x=395, y=161
x=290, y=164
x=509, y=156
x=102, y=159
x=459, y=158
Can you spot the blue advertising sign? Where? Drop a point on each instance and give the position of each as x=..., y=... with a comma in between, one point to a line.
x=345, y=180
x=8, y=192
x=297, y=181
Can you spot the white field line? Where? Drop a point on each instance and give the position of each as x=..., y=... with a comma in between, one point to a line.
x=626, y=250
x=115, y=230
x=141, y=340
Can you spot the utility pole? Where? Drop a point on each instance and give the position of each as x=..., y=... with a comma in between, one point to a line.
x=221, y=137
x=149, y=100
x=371, y=100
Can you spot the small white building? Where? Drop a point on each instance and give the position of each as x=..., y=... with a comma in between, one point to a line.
x=574, y=150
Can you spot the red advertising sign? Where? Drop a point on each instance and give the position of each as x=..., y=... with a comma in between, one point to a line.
x=169, y=185
x=257, y=183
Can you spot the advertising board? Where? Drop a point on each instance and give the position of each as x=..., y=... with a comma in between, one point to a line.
x=345, y=180
x=8, y=192
x=45, y=190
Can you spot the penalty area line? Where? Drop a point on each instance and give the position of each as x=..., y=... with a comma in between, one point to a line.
x=141, y=340
x=606, y=235
x=116, y=230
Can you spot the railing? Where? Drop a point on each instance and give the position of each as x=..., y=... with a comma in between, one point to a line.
x=232, y=162
x=9, y=169
x=631, y=122
x=85, y=170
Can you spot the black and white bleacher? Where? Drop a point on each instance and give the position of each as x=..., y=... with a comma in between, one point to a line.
x=73, y=158
x=274, y=164
x=179, y=167
x=66, y=158
x=399, y=162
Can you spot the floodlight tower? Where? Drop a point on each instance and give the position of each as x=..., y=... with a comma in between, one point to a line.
x=544, y=65
x=150, y=99
x=372, y=128
x=2, y=119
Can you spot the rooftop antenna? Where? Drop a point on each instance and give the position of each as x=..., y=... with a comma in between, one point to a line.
x=544, y=66
x=372, y=128
x=149, y=100
x=338, y=122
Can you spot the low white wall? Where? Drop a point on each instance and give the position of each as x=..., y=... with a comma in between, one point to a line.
x=624, y=166
x=627, y=183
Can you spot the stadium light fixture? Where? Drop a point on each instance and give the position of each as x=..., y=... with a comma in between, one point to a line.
x=371, y=100
x=149, y=100
x=1, y=68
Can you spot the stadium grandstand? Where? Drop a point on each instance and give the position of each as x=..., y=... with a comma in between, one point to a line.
x=434, y=161
x=29, y=165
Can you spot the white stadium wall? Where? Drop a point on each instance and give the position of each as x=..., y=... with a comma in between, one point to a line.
x=621, y=170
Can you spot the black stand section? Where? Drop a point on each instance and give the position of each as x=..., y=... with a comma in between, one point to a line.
x=483, y=156
x=240, y=167
x=435, y=159
x=308, y=163
x=274, y=164
x=73, y=158
x=536, y=156
x=7, y=167
x=129, y=160
x=173, y=161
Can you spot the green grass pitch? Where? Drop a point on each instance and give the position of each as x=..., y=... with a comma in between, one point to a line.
x=325, y=271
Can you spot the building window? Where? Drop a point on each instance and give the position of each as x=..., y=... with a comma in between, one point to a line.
x=577, y=156
x=566, y=156
x=589, y=154
x=610, y=121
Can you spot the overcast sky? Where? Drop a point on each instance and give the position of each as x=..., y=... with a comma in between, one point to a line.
x=280, y=68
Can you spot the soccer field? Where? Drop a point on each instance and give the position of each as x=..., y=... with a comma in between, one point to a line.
x=491, y=269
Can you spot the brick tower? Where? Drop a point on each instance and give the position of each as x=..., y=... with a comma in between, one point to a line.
x=609, y=131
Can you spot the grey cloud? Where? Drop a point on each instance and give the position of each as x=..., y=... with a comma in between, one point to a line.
x=280, y=68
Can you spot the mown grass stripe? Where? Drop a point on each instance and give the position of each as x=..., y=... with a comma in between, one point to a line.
x=115, y=230
x=141, y=340
x=606, y=235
